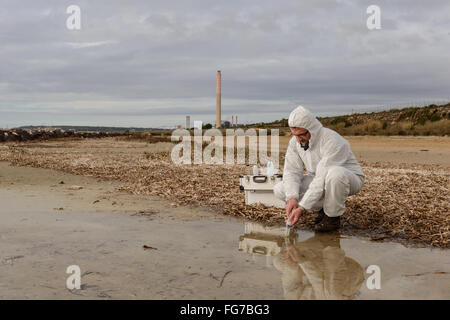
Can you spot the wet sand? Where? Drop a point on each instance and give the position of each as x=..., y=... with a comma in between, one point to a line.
x=53, y=190
x=194, y=254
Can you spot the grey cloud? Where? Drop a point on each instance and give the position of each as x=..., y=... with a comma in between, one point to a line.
x=272, y=56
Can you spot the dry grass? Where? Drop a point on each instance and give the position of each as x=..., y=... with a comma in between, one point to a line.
x=400, y=202
x=402, y=128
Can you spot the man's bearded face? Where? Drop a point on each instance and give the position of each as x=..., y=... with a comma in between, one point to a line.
x=301, y=134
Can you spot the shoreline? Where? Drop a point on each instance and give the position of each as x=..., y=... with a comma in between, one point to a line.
x=127, y=256
x=53, y=190
x=139, y=171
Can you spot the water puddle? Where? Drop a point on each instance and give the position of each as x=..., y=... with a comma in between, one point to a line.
x=329, y=266
x=132, y=257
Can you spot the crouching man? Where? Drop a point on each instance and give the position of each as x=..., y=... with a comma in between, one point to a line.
x=332, y=172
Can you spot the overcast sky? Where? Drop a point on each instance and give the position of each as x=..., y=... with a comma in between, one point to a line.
x=150, y=63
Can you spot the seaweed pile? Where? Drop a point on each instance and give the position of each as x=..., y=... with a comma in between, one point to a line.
x=398, y=202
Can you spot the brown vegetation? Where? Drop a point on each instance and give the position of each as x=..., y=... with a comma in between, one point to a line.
x=403, y=128
x=401, y=202
x=432, y=120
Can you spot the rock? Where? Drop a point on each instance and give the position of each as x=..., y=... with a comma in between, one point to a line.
x=75, y=188
x=47, y=133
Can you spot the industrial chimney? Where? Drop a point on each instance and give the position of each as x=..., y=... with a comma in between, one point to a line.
x=218, y=101
x=188, y=122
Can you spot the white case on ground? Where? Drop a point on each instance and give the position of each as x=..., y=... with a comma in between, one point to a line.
x=259, y=189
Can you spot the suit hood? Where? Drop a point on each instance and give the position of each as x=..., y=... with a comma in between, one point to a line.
x=303, y=118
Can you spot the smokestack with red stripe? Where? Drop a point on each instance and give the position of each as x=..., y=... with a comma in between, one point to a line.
x=218, y=101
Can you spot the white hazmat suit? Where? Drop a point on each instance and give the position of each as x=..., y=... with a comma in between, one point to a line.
x=332, y=171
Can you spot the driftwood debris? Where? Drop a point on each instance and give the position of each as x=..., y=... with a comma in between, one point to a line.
x=398, y=201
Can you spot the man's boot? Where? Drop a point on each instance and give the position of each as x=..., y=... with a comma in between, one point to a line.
x=319, y=216
x=328, y=224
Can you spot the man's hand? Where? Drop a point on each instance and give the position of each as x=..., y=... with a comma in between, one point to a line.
x=294, y=217
x=291, y=205
x=294, y=256
x=291, y=256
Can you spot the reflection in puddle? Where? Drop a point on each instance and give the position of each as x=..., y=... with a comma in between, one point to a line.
x=315, y=268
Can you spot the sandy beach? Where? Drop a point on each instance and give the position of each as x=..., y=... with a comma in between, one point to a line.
x=404, y=198
x=396, y=149
x=141, y=247
x=59, y=210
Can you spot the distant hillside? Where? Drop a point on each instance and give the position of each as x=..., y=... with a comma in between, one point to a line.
x=90, y=128
x=428, y=120
x=417, y=115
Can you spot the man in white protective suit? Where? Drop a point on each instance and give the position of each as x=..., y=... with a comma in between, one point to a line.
x=332, y=172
